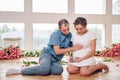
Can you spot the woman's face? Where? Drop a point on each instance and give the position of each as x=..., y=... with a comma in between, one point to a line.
x=80, y=29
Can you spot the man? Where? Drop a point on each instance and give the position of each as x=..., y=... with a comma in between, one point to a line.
x=59, y=44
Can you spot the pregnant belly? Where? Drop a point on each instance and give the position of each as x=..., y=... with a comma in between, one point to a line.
x=80, y=53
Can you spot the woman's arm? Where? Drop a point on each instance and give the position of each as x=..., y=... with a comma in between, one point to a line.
x=93, y=49
x=71, y=58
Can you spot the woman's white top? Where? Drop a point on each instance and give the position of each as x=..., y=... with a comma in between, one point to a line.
x=84, y=40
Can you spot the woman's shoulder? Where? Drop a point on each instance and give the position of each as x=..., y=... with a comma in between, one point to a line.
x=90, y=32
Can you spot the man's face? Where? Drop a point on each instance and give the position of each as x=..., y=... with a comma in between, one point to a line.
x=64, y=29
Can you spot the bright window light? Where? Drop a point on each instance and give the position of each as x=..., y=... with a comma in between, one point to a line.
x=99, y=30
x=41, y=34
x=50, y=6
x=90, y=6
x=12, y=5
x=11, y=30
x=115, y=33
x=116, y=7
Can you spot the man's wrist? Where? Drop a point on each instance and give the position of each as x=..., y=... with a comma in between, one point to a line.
x=71, y=49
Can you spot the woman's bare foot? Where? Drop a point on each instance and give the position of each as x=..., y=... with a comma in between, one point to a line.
x=103, y=66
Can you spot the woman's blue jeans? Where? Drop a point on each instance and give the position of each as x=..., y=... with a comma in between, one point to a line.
x=47, y=65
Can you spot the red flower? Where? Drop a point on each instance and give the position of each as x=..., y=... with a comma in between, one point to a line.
x=117, y=65
x=11, y=52
x=113, y=50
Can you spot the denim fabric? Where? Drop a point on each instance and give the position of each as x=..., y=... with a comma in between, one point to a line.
x=47, y=65
x=59, y=39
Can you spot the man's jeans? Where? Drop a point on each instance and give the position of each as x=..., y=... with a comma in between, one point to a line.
x=48, y=65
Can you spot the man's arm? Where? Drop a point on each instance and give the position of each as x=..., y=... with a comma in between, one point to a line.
x=58, y=50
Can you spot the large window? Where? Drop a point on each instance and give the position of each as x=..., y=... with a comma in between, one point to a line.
x=36, y=16
x=99, y=30
x=90, y=6
x=41, y=34
x=42, y=31
x=50, y=6
x=116, y=33
x=12, y=5
x=116, y=7
x=11, y=31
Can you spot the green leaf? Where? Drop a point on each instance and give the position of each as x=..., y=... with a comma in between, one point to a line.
x=63, y=62
x=106, y=60
x=24, y=62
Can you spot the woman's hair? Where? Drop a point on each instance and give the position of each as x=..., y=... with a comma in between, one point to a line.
x=61, y=22
x=80, y=20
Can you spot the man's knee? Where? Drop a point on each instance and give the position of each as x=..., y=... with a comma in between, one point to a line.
x=57, y=71
x=60, y=69
x=45, y=71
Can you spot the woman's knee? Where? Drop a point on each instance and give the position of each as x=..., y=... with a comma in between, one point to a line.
x=71, y=69
x=84, y=73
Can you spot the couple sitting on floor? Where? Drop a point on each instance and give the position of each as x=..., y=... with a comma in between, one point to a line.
x=81, y=44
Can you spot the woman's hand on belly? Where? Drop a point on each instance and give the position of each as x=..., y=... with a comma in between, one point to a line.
x=71, y=59
x=78, y=59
